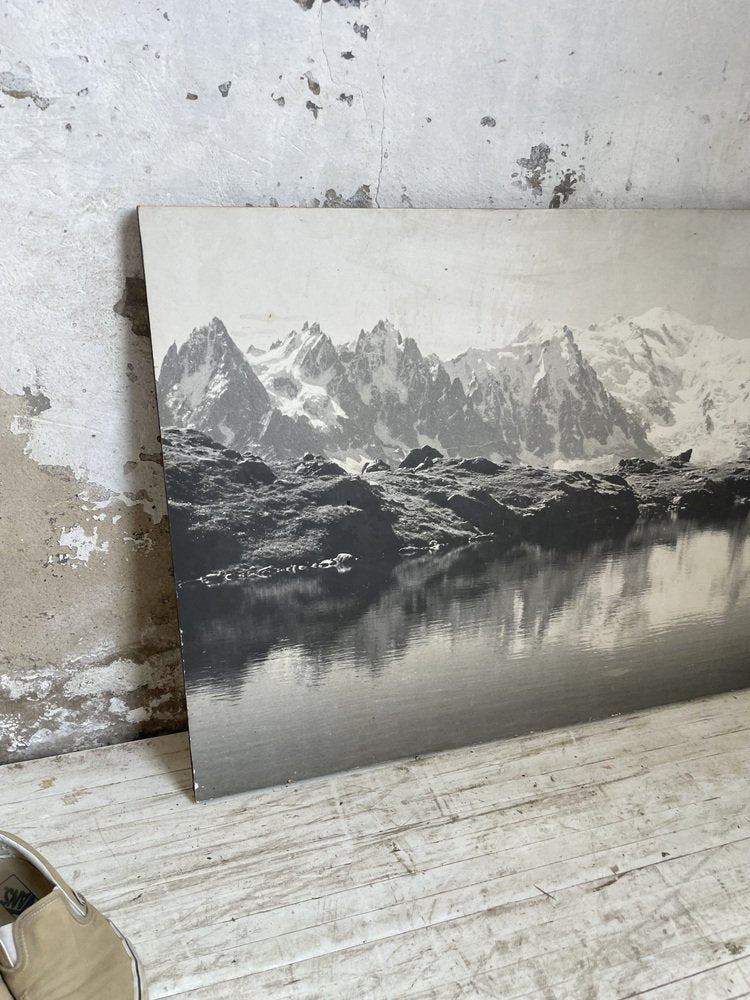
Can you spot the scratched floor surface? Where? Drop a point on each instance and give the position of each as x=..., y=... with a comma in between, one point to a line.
x=607, y=861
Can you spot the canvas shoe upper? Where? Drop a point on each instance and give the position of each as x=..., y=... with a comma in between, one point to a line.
x=53, y=944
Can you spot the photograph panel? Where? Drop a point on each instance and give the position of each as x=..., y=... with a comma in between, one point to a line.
x=439, y=477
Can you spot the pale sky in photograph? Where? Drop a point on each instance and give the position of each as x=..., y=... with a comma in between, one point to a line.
x=450, y=279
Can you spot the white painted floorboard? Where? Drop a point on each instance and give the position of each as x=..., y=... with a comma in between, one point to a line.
x=611, y=860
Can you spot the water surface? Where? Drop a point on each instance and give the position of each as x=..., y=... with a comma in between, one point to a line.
x=299, y=676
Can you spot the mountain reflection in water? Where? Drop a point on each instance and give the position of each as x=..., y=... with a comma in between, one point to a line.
x=297, y=676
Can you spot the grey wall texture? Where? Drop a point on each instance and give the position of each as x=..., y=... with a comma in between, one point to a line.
x=472, y=103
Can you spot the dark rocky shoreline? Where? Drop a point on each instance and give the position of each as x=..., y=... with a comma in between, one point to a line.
x=233, y=516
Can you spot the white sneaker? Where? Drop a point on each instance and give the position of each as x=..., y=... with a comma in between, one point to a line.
x=53, y=944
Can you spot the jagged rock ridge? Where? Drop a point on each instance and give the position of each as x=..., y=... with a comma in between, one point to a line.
x=237, y=516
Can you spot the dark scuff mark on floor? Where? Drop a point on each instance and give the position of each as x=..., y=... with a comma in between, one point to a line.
x=305, y=4
x=544, y=892
x=363, y=30
x=224, y=88
x=19, y=85
x=564, y=188
x=315, y=108
x=535, y=167
x=279, y=100
x=347, y=55
x=132, y=305
x=191, y=97
x=312, y=83
x=346, y=99
x=488, y=121
x=36, y=402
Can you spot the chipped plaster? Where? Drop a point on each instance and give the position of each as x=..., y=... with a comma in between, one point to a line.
x=81, y=542
x=88, y=609
x=300, y=102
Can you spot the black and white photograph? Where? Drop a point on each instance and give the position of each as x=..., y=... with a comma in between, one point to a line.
x=439, y=477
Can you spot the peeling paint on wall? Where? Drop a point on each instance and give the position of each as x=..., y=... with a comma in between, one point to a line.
x=90, y=614
x=17, y=83
x=535, y=167
x=308, y=4
x=360, y=199
x=57, y=708
x=83, y=543
x=133, y=306
x=312, y=83
x=36, y=402
x=564, y=188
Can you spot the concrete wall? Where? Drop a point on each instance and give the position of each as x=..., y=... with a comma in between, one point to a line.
x=488, y=103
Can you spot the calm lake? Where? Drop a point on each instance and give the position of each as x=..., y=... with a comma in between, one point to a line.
x=299, y=676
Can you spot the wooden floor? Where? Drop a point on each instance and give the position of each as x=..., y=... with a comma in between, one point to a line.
x=607, y=861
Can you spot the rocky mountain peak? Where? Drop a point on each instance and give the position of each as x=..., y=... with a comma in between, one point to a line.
x=207, y=383
x=318, y=354
x=207, y=347
x=382, y=335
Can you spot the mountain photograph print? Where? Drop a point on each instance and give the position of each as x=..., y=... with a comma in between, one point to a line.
x=442, y=477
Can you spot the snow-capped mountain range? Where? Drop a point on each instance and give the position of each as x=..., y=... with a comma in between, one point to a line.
x=641, y=387
x=688, y=384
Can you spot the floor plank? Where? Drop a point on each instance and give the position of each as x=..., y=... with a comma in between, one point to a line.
x=610, y=860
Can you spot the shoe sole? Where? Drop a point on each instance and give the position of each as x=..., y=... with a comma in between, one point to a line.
x=139, y=978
